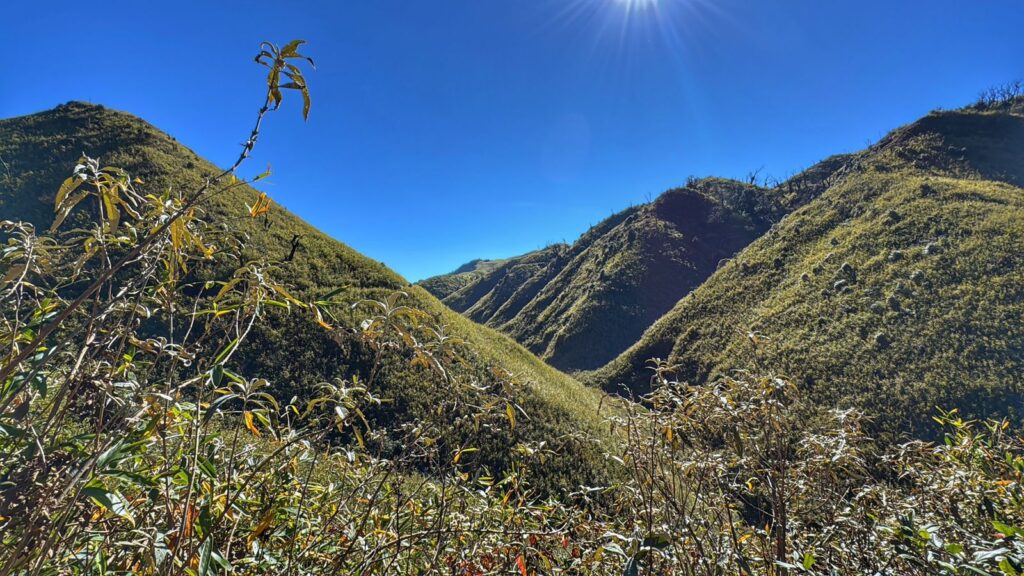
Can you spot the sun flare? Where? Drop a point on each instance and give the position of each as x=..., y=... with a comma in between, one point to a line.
x=637, y=4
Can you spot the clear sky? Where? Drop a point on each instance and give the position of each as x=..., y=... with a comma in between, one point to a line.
x=443, y=131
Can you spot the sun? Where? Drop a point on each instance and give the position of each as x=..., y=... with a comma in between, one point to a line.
x=637, y=26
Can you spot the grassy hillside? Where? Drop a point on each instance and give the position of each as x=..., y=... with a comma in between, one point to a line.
x=489, y=290
x=898, y=289
x=579, y=306
x=445, y=284
x=40, y=150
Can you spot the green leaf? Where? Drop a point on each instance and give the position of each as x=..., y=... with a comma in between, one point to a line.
x=110, y=500
x=632, y=567
x=207, y=468
x=1005, y=529
x=130, y=477
x=11, y=431
x=214, y=407
x=111, y=456
x=305, y=103
x=205, y=522
x=808, y=561
x=220, y=560
x=986, y=555
x=227, y=350
x=658, y=541
x=101, y=563
x=290, y=48
x=954, y=548
x=205, y=555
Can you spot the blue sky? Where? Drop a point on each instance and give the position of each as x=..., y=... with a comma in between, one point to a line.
x=443, y=131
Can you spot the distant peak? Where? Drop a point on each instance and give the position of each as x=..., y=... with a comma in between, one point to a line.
x=470, y=266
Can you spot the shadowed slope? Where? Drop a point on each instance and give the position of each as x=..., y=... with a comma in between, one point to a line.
x=579, y=306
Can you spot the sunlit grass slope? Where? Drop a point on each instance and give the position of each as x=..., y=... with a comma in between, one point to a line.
x=900, y=288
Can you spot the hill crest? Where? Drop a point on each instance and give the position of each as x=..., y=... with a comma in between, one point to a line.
x=40, y=151
x=891, y=291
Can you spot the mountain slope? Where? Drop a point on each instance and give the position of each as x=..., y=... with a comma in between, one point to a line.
x=40, y=150
x=579, y=306
x=444, y=285
x=898, y=289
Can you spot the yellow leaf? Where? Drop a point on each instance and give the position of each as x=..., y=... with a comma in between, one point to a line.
x=250, y=425
x=280, y=290
x=69, y=186
x=262, y=205
x=319, y=317
x=459, y=453
x=511, y=413
x=260, y=528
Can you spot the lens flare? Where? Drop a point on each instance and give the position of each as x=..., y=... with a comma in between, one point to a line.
x=637, y=4
x=668, y=22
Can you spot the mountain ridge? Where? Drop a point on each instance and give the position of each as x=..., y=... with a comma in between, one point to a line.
x=923, y=173
x=40, y=151
x=857, y=293
x=625, y=272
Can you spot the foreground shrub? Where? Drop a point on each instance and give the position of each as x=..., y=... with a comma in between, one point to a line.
x=129, y=443
x=739, y=477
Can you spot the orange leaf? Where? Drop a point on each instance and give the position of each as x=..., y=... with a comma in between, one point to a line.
x=190, y=516
x=262, y=205
x=521, y=563
x=250, y=425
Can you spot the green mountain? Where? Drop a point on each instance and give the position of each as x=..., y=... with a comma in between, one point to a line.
x=40, y=150
x=444, y=285
x=486, y=290
x=898, y=288
x=579, y=306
